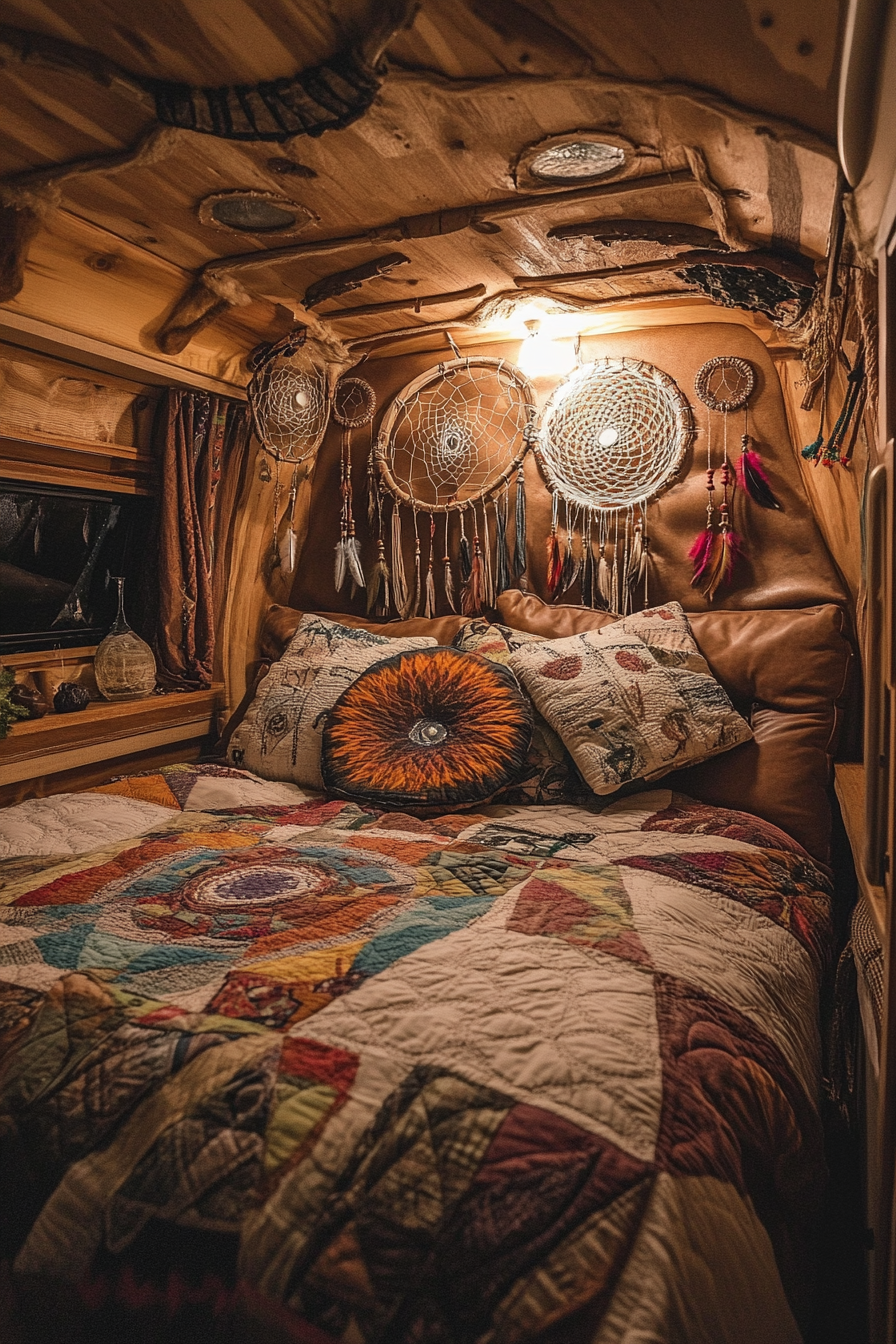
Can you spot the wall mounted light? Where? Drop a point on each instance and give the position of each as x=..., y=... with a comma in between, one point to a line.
x=541, y=356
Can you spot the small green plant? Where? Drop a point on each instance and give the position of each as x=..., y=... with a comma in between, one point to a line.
x=9, y=712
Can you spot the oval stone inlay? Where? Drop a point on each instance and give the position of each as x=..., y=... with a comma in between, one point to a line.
x=428, y=733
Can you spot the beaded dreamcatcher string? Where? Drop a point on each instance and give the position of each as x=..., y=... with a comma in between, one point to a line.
x=290, y=405
x=452, y=443
x=354, y=405
x=612, y=436
x=725, y=384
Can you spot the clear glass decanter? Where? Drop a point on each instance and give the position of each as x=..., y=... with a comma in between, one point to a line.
x=124, y=664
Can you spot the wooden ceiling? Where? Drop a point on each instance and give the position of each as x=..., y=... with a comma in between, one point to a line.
x=470, y=84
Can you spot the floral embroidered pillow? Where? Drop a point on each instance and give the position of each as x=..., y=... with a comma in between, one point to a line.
x=549, y=774
x=624, y=709
x=280, y=736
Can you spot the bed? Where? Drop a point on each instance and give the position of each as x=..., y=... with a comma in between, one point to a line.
x=282, y=1065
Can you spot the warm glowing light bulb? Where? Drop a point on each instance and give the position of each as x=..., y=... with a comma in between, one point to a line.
x=540, y=357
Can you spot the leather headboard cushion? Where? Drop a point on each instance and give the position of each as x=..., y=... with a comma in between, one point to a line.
x=281, y=624
x=785, y=670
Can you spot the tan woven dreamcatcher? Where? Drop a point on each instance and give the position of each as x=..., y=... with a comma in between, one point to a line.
x=290, y=404
x=612, y=436
x=453, y=442
x=725, y=384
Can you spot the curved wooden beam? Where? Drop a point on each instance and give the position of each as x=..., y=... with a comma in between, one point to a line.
x=639, y=230
x=411, y=303
x=206, y=291
x=785, y=267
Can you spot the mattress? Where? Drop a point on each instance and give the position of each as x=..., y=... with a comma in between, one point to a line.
x=544, y=1073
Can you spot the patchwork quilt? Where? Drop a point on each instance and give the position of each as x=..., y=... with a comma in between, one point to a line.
x=529, y=1074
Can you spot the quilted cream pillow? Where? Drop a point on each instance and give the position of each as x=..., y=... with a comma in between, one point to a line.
x=628, y=709
x=280, y=736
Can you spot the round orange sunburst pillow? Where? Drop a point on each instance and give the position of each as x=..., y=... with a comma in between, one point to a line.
x=425, y=729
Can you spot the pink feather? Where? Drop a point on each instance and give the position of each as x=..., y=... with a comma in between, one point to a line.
x=700, y=553
x=752, y=477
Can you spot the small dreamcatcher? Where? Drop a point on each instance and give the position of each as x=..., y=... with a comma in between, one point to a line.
x=354, y=405
x=725, y=384
x=613, y=435
x=452, y=442
x=290, y=404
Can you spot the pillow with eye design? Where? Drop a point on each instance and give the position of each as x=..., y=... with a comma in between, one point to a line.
x=427, y=729
x=280, y=735
x=628, y=710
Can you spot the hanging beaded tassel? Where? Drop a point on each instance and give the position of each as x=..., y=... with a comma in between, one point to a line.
x=448, y=576
x=567, y=573
x=554, y=551
x=702, y=545
x=289, y=549
x=726, y=546
x=275, y=549
x=429, y=609
x=519, y=540
x=399, y=578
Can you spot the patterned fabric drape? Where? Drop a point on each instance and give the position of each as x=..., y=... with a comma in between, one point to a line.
x=200, y=438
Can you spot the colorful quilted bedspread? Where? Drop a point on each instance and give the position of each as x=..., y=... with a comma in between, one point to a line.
x=530, y=1074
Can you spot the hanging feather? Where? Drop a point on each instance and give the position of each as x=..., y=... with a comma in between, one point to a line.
x=288, y=551
x=372, y=489
x=488, y=584
x=635, y=556
x=471, y=597
x=519, y=543
x=502, y=566
x=465, y=555
x=341, y=565
x=570, y=569
x=753, y=479
x=701, y=553
x=399, y=579
x=429, y=609
x=604, y=579
x=378, y=582
x=413, y=605
x=449, y=582
x=642, y=564
x=724, y=551
x=555, y=562
x=353, y=561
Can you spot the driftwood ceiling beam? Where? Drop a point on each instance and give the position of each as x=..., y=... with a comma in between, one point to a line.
x=639, y=230
x=327, y=96
x=410, y=303
x=216, y=285
x=27, y=196
x=785, y=267
x=343, y=282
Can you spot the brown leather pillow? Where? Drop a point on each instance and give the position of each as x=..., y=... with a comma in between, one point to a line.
x=787, y=670
x=281, y=624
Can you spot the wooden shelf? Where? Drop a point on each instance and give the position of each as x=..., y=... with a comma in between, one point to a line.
x=849, y=783
x=49, y=754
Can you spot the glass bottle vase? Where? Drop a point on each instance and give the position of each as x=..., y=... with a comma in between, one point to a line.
x=124, y=664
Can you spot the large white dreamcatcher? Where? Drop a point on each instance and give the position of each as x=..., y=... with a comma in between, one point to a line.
x=452, y=442
x=612, y=436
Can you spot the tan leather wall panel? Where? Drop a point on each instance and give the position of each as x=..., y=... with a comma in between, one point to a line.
x=786, y=563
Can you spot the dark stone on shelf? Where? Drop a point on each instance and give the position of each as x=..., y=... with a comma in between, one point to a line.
x=70, y=697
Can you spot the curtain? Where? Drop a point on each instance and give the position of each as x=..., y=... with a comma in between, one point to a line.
x=200, y=440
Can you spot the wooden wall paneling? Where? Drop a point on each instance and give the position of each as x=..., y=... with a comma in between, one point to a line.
x=83, y=279
x=50, y=400
x=836, y=492
x=248, y=582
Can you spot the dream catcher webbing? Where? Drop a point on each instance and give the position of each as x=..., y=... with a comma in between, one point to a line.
x=725, y=384
x=452, y=442
x=613, y=435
